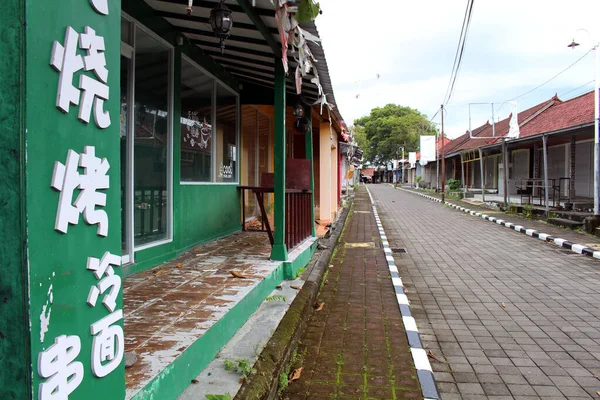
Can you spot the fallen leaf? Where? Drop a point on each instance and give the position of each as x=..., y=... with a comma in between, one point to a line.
x=279, y=287
x=326, y=281
x=262, y=373
x=331, y=267
x=295, y=375
x=195, y=381
x=295, y=287
x=503, y=305
x=237, y=275
x=431, y=355
x=180, y=265
x=320, y=306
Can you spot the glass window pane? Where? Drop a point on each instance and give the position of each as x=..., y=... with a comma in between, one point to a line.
x=151, y=148
x=196, y=124
x=226, y=135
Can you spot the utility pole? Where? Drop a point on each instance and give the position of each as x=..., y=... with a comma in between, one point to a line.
x=443, y=159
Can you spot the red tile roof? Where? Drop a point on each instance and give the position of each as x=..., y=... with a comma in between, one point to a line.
x=501, y=127
x=567, y=114
x=367, y=171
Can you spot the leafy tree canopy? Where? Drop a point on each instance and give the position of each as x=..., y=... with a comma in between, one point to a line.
x=387, y=129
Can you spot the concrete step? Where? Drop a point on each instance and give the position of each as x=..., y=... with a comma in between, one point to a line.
x=569, y=223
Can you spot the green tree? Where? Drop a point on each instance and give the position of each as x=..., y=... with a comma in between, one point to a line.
x=389, y=128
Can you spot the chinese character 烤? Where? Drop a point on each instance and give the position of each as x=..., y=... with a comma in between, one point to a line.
x=66, y=178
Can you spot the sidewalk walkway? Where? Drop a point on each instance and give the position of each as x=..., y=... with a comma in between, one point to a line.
x=356, y=346
x=506, y=316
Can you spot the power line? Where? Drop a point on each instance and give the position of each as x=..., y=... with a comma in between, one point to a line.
x=460, y=51
x=554, y=77
x=579, y=87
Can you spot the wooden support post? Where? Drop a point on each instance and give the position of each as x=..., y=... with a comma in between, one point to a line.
x=279, y=251
x=462, y=170
x=481, y=167
x=545, y=155
x=310, y=156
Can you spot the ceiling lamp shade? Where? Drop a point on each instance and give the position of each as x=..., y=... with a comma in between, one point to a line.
x=221, y=23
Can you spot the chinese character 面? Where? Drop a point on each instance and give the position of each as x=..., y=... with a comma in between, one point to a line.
x=102, y=268
x=101, y=6
x=66, y=178
x=57, y=364
x=108, y=346
x=67, y=62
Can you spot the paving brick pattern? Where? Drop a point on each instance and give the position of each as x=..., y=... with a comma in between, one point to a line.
x=356, y=346
x=505, y=316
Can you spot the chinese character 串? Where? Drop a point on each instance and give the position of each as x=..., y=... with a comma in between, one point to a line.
x=58, y=365
x=66, y=61
x=66, y=178
x=108, y=346
x=110, y=281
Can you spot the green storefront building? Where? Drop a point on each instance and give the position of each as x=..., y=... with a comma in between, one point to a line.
x=124, y=140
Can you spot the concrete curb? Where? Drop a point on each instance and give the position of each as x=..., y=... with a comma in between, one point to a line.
x=419, y=355
x=278, y=351
x=574, y=247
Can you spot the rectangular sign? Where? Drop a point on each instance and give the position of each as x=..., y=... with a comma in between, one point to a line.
x=73, y=199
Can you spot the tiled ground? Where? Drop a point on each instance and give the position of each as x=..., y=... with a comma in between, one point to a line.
x=506, y=316
x=169, y=307
x=356, y=347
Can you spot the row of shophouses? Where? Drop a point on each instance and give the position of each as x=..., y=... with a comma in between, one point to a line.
x=476, y=158
x=131, y=135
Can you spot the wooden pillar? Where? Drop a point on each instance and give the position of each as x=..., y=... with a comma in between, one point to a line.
x=279, y=251
x=308, y=142
x=325, y=192
x=572, y=168
x=334, y=175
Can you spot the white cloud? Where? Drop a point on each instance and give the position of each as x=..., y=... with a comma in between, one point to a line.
x=512, y=47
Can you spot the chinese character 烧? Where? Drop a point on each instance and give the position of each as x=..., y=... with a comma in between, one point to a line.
x=101, y=6
x=66, y=178
x=57, y=364
x=67, y=62
x=108, y=346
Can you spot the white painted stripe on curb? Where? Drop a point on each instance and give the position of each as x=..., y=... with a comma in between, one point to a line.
x=559, y=241
x=543, y=236
x=397, y=281
x=529, y=232
x=420, y=358
x=596, y=254
x=578, y=248
x=410, y=324
x=402, y=299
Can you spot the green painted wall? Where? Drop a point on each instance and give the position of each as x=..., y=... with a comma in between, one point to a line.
x=15, y=379
x=59, y=281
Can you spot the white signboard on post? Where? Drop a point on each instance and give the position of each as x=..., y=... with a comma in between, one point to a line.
x=427, y=149
x=412, y=159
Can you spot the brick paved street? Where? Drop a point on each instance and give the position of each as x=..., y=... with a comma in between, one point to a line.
x=506, y=316
x=356, y=346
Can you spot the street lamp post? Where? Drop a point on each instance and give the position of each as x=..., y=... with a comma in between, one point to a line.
x=572, y=45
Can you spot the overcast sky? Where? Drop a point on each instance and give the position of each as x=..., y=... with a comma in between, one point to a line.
x=512, y=47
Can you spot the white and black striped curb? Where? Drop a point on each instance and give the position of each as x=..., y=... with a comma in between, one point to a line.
x=424, y=372
x=574, y=247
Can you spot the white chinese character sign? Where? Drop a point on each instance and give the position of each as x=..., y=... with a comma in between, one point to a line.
x=74, y=199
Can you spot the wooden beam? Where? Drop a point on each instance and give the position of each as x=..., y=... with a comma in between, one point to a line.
x=211, y=4
x=252, y=13
x=205, y=20
x=244, y=50
x=236, y=38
